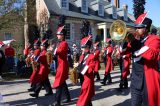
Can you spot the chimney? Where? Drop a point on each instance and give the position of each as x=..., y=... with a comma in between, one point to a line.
x=125, y=7
x=116, y=3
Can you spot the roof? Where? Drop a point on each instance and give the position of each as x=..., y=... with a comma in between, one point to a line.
x=75, y=11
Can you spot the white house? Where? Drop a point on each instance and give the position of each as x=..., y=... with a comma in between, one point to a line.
x=100, y=13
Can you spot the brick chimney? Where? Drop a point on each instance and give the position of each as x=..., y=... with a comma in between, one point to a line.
x=116, y=3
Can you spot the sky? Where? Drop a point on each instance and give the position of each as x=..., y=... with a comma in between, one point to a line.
x=153, y=6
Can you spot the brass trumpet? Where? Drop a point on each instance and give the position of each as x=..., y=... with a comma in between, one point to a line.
x=119, y=32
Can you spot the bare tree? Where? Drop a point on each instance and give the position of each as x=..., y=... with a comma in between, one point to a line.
x=43, y=21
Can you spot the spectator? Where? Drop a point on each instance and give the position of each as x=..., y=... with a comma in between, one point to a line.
x=74, y=49
x=70, y=60
x=2, y=61
x=9, y=53
x=21, y=66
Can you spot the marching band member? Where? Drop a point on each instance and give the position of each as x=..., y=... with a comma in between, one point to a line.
x=42, y=72
x=33, y=57
x=62, y=71
x=87, y=90
x=97, y=62
x=125, y=63
x=109, y=64
x=80, y=66
x=145, y=79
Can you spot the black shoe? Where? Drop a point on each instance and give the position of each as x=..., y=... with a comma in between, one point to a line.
x=119, y=89
x=57, y=104
x=109, y=82
x=103, y=83
x=30, y=90
x=67, y=101
x=47, y=94
x=34, y=95
x=125, y=87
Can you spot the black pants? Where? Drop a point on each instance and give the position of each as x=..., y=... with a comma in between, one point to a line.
x=123, y=83
x=0, y=70
x=33, y=87
x=81, y=77
x=139, y=96
x=89, y=103
x=96, y=74
x=63, y=87
x=107, y=77
x=46, y=85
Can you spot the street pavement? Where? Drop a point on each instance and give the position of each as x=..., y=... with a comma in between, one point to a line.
x=15, y=93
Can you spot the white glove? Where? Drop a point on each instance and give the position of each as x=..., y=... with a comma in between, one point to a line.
x=124, y=56
x=75, y=64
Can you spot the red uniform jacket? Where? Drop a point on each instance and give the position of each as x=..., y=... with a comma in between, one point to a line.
x=43, y=72
x=26, y=51
x=87, y=90
x=151, y=70
x=97, y=62
x=33, y=76
x=81, y=58
x=63, y=67
x=126, y=56
x=109, y=64
x=9, y=52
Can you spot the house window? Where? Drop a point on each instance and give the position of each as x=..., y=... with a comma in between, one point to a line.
x=84, y=6
x=7, y=36
x=101, y=10
x=64, y=4
x=68, y=29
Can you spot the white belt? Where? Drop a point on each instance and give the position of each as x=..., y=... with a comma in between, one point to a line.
x=136, y=59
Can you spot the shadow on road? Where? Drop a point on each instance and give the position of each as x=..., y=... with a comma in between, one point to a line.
x=13, y=82
x=111, y=92
x=40, y=101
x=125, y=103
x=15, y=93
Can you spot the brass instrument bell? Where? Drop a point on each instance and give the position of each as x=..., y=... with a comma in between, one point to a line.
x=118, y=31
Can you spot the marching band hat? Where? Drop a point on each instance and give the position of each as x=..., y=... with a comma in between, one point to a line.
x=45, y=43
x=86, y=42
x=37, y=42
x=108, y=40
x=1, y=44
x=61, y=31
x=96, y=44
x=143, y=22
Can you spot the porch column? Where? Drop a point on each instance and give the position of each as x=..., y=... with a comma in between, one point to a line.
x=105, y=33
x=94, y=31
